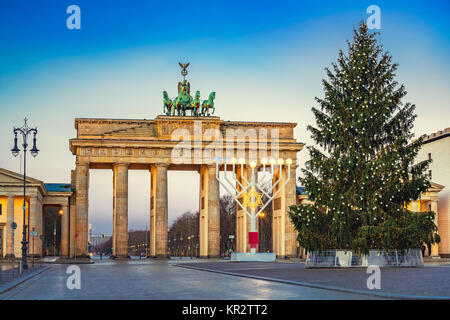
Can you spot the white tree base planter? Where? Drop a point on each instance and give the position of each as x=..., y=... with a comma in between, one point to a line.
x=381, y=258
x=255, y=257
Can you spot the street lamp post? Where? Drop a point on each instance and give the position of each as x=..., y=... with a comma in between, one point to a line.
x=181, y=246
x=170, y=249
x=32, y=257
x=192, y=245
x=54, y=238
x=60, y=212
x=188, y=251
x=25, y=131
x=146, y=243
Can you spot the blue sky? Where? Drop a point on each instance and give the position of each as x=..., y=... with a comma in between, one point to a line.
x=264, y=59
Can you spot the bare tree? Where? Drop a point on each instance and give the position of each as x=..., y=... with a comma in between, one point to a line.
x=183, y=236
x=138, y=241
x=104, y=247
x=227, y=224
x=184, y=227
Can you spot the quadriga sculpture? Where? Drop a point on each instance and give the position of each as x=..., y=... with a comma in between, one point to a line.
x=184, y=100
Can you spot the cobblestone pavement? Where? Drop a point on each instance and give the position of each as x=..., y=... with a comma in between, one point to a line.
x=428, y=281
x=159, y=279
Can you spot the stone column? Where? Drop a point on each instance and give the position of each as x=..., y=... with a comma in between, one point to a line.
x=82, y=208
x=35, y=223
x=213, y=214
x=161, y=216
x=9, y=219
x=120, y=208
x=152, y=240
x=72, y=218
x=203, y=209
x=290, y=194
x=65, y=230
x=283, y=233
x=209, y=224
x=435, y=246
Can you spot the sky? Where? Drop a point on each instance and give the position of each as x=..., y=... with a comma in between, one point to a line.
x=264, y=59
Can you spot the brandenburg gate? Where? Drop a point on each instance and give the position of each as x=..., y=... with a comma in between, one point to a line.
x=178, y=142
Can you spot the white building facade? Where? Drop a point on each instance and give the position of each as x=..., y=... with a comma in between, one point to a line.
x=437, y=147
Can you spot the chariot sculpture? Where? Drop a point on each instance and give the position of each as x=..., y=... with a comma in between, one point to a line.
x=185, y=102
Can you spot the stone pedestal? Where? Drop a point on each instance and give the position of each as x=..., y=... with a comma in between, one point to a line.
x=120, y=210
x=253, y=257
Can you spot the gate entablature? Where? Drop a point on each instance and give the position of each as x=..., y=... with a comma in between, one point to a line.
x=106, y=141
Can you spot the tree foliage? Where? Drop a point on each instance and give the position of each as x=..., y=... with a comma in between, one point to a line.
x=361, y=172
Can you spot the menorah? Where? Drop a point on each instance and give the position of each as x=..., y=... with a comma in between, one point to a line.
x=252, y=198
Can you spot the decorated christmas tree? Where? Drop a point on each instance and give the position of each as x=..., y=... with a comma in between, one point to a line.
x=361, y=173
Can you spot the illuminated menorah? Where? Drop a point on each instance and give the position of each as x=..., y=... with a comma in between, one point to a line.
x=253, y=199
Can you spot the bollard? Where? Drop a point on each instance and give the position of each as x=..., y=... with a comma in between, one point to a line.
x=20, y=267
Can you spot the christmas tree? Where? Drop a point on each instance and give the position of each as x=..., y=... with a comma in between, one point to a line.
x=361, y=173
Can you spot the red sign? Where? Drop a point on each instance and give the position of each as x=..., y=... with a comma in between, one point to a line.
x=253, y=238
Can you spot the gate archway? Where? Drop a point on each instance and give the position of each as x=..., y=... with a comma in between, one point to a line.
x=177, y=143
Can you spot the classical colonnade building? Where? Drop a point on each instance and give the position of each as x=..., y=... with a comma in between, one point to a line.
x=39, y=198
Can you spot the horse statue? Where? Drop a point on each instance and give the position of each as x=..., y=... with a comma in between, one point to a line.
x=207, y=104
x=195, y=105
x=169, y=108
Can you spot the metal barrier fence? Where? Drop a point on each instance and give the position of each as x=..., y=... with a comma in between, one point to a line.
x=347, y=258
